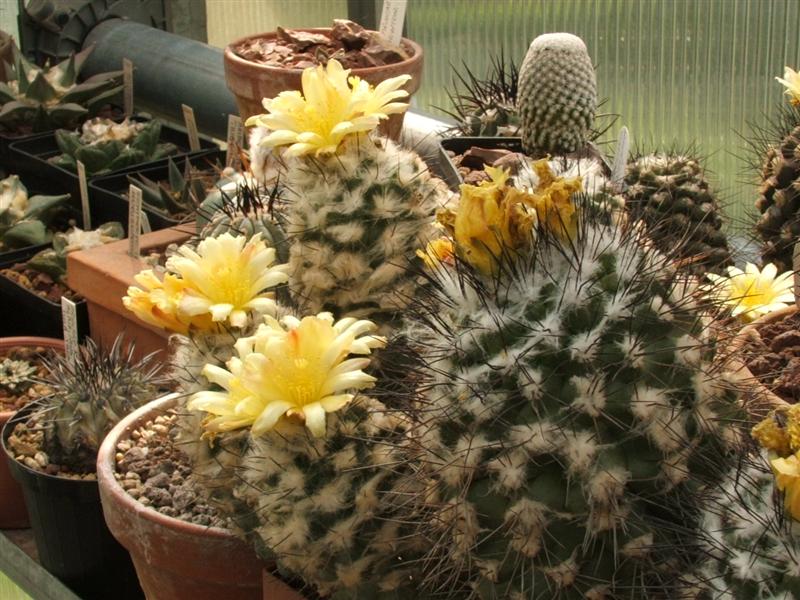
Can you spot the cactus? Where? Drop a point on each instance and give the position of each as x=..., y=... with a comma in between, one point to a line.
x=41, y=99
x=753, y=546
x=178, y=196
x=90, y=395
x=105, y=146
x=670, y=194
x=24, y=219
x=15, y=376
x=569, y=411
x=53, y=261
x=557, y=95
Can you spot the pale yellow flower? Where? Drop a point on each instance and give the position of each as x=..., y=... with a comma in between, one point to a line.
x=157, y=304
x=752, y=293
x=787, y=479
x=791, y=80
x=330, y=107
x=436, y=252
x=226, y=278
x=292, y=368
x=553, y=201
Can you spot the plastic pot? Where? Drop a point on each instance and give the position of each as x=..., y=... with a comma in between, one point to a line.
x=251, y=82
x=13, y=514
x=175, y=560
x=72, y=539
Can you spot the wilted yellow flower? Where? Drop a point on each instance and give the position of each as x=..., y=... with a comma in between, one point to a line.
x=437, y=251
x=553, y=201
x=787, y=479
x=752, y=293
x=791, y=79
x=330, y=107
x=771, y=434
x=289, y=368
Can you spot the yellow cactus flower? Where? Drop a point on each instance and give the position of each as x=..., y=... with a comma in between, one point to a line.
x=772, y=433
x=293, y=368
x=553, y=201
x=791, y=80
x=226, y=276
x=330, y=107
x=436, y=252
x=157, y=303
x=787, y=479
x=752, y=293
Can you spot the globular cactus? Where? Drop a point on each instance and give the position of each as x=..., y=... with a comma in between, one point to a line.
x=753, y=546
x=90, y=395
x=24, y=219
x=569, y=410
x=557, y=95
x=15, y=376
x=41, y=99
x=53, y=261
x=670, y=194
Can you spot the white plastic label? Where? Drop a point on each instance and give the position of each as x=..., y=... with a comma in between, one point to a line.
x=69, y=318
x=87, y=218
x=393, y=16
x=235, y=141
x=134, y=220
x=621, y=159
x=127, y=86
x=191, y=127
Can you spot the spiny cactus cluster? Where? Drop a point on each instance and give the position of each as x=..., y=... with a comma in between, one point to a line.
x=90, y=395
x=41, y=99
x=569, y=411
x=24, y=219
x=557, y=95
x=671, y=195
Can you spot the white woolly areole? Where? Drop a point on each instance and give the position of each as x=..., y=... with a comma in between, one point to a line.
x=559, y=41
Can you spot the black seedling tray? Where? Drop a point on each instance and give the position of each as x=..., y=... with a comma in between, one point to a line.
x=32, y=155
x=459, y=145
x=108, y=193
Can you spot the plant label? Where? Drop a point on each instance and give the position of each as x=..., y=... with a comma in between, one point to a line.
x=69, y=318
x=796, y=267
x=127, y=86
x=393, y=16
x=191, y=127
x=87, y=218
x=621, y=160
x=235, y=141
x=134, y=220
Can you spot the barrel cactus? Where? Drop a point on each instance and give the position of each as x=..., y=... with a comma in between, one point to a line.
x=569, y=410
x=357, y=206
x=670, y=194
x=557, y=95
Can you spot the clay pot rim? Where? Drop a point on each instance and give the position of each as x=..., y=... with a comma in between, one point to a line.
x=25, y=341
x=106, y=468
x=234, y=58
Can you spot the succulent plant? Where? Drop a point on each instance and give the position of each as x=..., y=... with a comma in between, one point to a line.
x=104, y=146
x=570, y=409
x=180, y=195
x=51, y=97
x=671, y=195
x=90, y=395
x=15, y=375
x=53, y=261
x=24, y=219
x=557, y=95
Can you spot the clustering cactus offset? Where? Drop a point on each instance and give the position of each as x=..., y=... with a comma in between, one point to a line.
x=53, y=261
x=104, y=146
x=752, y=544
x=24, y=219
x=41, y=99
x=90, y=395
x=557, y=95
x=671, y=195
x=569, y=410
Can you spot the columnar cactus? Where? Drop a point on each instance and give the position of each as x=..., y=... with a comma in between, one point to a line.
x=569, y=410
x=557, y=95
x=671, y=195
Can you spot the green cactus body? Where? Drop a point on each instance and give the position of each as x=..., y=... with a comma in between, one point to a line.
x=568, y=412
x=179, y=196
x=671, y=195
x=42, y=99
x=754, y=546
x=557, y=95
x=15, y=376
x=355, y=220
x=778, y=201
x=24, y=219
x=53, y=261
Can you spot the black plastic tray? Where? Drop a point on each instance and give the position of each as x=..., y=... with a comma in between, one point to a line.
x=106, y=192
x=31, y=157
x=459, y=145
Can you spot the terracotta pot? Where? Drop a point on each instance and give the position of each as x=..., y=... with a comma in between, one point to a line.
x=759, y=399
x=103, y=274
x=13, y=514
x=251, y=82
x=174, y=560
